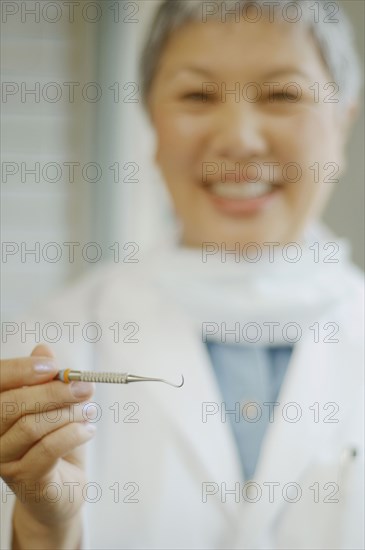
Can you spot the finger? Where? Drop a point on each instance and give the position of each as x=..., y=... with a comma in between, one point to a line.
x=43, y=456
x=42, y=349
x=40, y=399
x=27, y=371
x=29, y=429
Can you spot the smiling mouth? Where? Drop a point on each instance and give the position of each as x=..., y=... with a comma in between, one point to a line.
x=242, y=190
x=245, y=198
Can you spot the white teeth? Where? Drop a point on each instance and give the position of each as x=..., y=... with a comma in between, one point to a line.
x=245, y=190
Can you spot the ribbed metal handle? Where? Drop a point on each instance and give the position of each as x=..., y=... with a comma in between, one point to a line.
x=108, y=377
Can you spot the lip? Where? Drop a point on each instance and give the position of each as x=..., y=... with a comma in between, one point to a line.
x=232, y=178
x=236, y=207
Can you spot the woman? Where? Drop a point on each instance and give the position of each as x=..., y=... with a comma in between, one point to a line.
x=256, y=305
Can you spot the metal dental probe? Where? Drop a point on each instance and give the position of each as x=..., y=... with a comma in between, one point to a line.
x=69, y=375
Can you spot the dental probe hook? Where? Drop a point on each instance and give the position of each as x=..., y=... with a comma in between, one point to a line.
x=69, y=375
x=135, y=378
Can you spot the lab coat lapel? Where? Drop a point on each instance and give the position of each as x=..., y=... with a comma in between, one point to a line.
x=169, y=346
x=290, y=448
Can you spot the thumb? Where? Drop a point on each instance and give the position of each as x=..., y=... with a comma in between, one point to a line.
x=43, y=351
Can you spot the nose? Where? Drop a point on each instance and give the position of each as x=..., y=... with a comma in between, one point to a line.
x=238, y=132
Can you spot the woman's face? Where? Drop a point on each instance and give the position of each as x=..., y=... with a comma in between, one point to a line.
x=257, y=164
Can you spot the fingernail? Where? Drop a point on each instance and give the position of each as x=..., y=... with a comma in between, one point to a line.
x=80, y=389
x=91, y=428
x=44, y=368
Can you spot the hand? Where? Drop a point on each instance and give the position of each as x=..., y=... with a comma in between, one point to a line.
x=41, y=439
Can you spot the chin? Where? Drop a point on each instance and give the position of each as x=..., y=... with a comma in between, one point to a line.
x=246, y=233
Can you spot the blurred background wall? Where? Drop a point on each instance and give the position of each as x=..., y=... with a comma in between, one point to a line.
x=78, y=180
x=345, y=212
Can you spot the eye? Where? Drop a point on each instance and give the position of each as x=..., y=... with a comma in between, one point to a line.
x=196, y=97
x=282, y=96
x=279, y=95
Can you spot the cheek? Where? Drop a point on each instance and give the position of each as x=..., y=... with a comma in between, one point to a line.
x=309, y=141
x=180, y=139
x=307, y=138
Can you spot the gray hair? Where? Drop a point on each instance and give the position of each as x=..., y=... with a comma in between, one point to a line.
x=331, y=30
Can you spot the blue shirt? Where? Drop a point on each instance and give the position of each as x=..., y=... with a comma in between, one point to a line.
x=248, y=377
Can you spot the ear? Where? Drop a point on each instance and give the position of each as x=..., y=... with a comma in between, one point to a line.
x=348, y=117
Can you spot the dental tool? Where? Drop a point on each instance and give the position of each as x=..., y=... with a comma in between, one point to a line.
x=69, y=375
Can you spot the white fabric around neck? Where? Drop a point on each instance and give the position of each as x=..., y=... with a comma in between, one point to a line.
x=270, y=290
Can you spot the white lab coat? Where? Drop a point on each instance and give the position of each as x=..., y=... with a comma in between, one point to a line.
x=166, y=459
